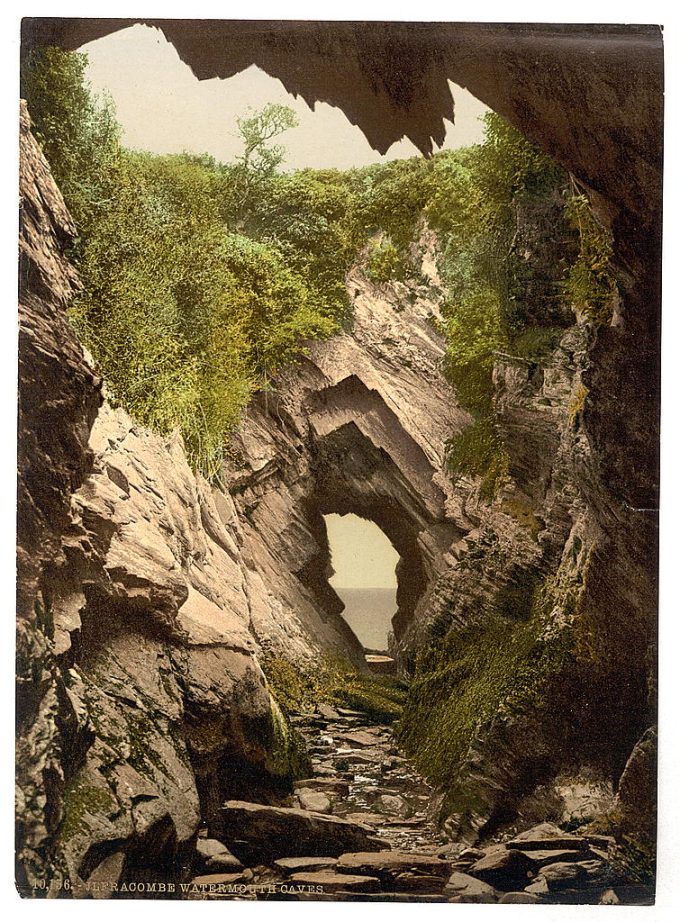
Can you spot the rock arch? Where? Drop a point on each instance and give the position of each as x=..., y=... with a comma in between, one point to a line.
x=354, y=427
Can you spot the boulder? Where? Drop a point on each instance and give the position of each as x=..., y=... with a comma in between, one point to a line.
x=393, y=804
x=225, y=863
x=331, y=880
x=609, y=898
x=506, y=869
x=259, y=832
x=327, y=712
x=547, y=836
x=538, y=886
x=470, y=889
x=552, y=855
x=398, y=871
x=563, y=875
x=214, y=855
x=315, y=800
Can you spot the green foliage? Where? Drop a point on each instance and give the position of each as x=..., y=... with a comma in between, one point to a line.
x=493, y=668
x=185, y=310
x=392, y=197
x=202, y=279
x=310, y=217
x=334, y=681
x=472, y=206
x=590, y=283
x=78, y=133
x=257, y=130
x=384, y=262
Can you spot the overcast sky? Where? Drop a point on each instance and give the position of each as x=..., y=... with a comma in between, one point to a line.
x=361, y=554
x=165, y=109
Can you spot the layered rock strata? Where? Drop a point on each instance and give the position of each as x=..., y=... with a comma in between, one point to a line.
x=141, y=704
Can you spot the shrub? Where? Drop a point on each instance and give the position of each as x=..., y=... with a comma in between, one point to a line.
x=384, y=263
x=590, y=284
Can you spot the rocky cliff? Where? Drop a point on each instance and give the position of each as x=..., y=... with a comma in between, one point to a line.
x=141, y=704
x=146, y=595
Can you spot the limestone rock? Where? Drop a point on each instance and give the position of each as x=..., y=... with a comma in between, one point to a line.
x=257, y=832
x=328, y=880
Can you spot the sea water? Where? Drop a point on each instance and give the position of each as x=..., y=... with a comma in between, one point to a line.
x=369, y=613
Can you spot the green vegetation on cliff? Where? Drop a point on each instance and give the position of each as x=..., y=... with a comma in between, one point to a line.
x=334, y=681
x=470, y=677
x=202, y=279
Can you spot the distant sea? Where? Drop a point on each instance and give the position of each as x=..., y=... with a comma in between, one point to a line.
x=369, y=613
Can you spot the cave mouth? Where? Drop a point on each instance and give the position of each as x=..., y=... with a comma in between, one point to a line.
x=364, y=563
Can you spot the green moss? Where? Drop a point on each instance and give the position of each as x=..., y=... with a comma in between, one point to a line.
x=81, y=800
x=476, y=675
x=536, y=343
x=522, y=513
x=337, y=682
x=578, y=402
x=287, y=755
x=590, y=284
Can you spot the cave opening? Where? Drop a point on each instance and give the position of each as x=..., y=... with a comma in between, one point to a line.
x=364, y=563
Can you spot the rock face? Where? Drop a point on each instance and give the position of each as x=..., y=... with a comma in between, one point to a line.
x=358, y=425
x=553, y=548
x=144, y=596
x=141, y=704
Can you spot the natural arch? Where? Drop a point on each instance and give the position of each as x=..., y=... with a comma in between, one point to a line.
x=350, y=432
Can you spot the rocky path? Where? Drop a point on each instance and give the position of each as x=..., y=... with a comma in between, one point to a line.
x=363, y=827
x=361, y=775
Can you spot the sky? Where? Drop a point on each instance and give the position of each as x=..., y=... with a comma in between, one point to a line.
x=362, y=555
x=165, y=109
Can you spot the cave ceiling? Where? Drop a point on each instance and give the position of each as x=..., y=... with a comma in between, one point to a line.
x=589, y=95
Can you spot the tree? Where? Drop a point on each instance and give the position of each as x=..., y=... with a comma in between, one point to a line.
x=257, y=130
x=77, y=131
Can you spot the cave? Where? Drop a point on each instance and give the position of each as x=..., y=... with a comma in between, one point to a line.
x=353, y=429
